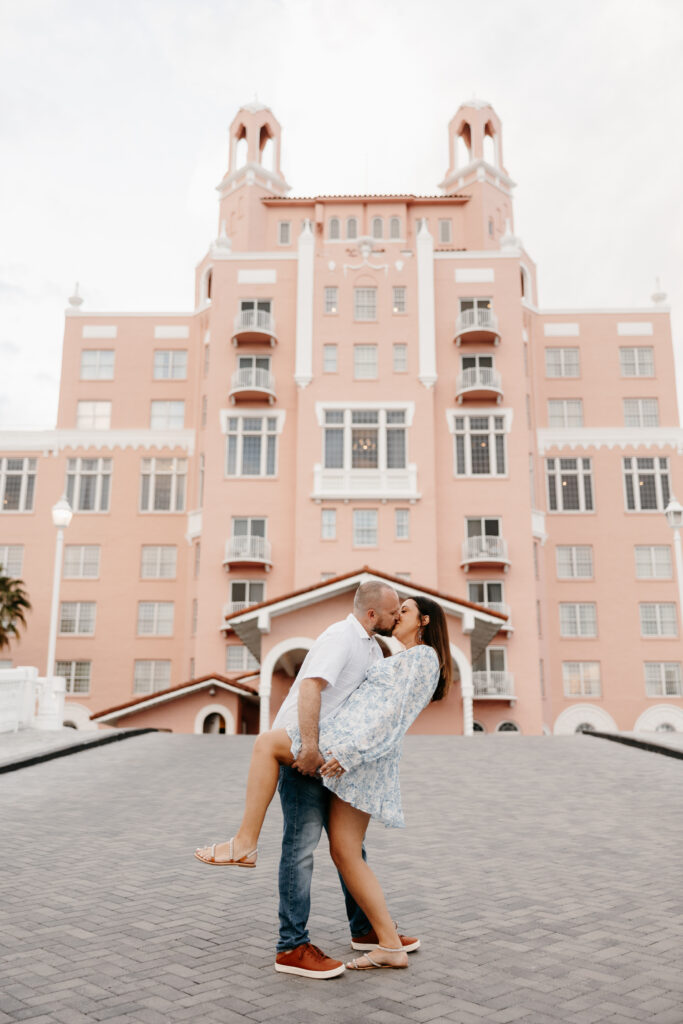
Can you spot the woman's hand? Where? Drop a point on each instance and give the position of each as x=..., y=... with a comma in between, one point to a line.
x=332, y=769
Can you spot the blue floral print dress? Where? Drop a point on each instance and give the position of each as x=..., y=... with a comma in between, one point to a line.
x=366, y=733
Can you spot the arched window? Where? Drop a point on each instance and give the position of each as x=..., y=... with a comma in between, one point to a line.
x=463, y=147
x=478, y=727
x=208, y=279
x=241, y=147
x=267, y=148
x=377, y=227
x=585, y=727
x=351, y=227
x=507, y=727
x=333, y=228
x=214, y=723
x=490, y=148
x=662, y=727
x=394, y=228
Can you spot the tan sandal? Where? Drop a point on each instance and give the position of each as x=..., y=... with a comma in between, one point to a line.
x=372, y=965
x=247, y=861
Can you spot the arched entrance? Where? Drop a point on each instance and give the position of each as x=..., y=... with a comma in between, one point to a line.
x=284, y=658
x=214, y=719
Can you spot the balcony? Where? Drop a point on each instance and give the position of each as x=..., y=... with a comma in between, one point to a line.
x=254, y=325
x=255, y=551
x=375, y=484
x=489, y=685
x=476, y=325
x=480, y=383
x=252, y=384
x=485, y=553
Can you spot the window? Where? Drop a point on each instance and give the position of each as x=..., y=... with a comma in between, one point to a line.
x=155, y=618
x=570, y=485
x=365, y=303
x=364, y=439
x=377, y=227
x=641, y=412
x=562, y=362
x=647, y=484
x=328, y=524
x=486, y=592
x=77, y=618
x=255, y=313
x=162, y=485
x=480, y=447
x=663, y=679
x=364, y=527
x=76, y=674
x=331, y=300
x=351, y=227
x=151, y=676
x=248, y=537
x=482, y=527
x=653, y=562
x=194, y=615
x=11, y=559
x=658, y=619
x=565, y=412
x=492, y=659
x=97, y=364
x=579, y=619
x=284, y=232
x=574, y=561
x=365, y=362
x=398, y=299
x=170, y=364
x=333, y=228
x=478, y=371
x=93, y=416
x=402, y=523
x=167, y=416
x=17, y=484
x=400, y=352
x=244, y=593
x=82, y=561
x=252, y=446
x=88, y=484
x=395, y=227
x=239, y=658
x=329, y=358
x=197, y=558
x=637, y=362
x=444, y=231
x=581, y=679
x=158, y=562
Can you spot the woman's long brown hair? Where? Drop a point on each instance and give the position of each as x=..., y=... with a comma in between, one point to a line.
x=435, y=634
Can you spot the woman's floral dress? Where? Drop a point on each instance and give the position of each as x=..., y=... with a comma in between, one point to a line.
x=366, y=733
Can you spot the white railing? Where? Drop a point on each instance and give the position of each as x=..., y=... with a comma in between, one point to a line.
x=232, y=607
x=484, y=549
x=476, y=319
x=252, y=378
x=28, y=702
x=365, y=483
x=497, y=606
x=493, y=684
x=240, y=548
x=255, y=320
x=479, y=377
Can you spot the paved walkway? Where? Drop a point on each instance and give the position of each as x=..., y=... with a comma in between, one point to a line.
x=543, y=875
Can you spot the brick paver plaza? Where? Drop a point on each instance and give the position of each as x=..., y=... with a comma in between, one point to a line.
x=542, y=874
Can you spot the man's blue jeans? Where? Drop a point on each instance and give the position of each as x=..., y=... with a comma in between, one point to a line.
x=305, y=805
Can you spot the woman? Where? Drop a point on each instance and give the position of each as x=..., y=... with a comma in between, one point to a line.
x=362, y=741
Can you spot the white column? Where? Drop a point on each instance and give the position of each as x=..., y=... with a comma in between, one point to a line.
x=467, y=711
x=52, y=643
x=264, y=706
x=303, y=371
x=425, y=306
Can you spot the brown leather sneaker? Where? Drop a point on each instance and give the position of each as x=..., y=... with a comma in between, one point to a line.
x=308, y=961
x=370, y=941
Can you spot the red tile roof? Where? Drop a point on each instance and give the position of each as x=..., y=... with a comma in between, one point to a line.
x=196, y=684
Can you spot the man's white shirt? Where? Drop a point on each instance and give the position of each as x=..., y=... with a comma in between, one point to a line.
x=341, y=656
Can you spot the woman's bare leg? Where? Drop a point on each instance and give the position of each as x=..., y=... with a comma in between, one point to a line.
x=270, y=751
x=347, y=826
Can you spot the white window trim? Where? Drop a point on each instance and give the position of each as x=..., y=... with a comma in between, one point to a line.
x=100, y=473
x=174, y=474
x=656, y=472
x=576, y=606
x=562, y=376
x=662, y=665
x=356, y=543
x=582, y=693
x=78, y=631
x=155, y=621
x=484, y=411
x=659, y=635
x=582, y=511
x=575, y=575
x=226, y=416
x=80, y=575
x=651, y=548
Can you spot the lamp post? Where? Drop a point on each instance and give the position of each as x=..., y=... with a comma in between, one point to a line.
x=61, y=517
x=674, y=517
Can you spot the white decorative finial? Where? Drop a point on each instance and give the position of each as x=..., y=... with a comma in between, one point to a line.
x=223, y=242
x=509, y=240
x=658, y=296
x=75, y=300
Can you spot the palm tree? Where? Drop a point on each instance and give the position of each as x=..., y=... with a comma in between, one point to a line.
x=14, y=604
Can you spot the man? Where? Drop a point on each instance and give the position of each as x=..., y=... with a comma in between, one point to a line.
x=335, y=665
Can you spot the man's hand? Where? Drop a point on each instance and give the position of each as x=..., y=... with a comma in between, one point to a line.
x=308, y=761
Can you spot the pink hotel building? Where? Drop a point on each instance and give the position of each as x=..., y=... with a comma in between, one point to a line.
x=366, y=386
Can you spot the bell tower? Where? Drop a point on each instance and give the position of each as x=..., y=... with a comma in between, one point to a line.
x=475, y=151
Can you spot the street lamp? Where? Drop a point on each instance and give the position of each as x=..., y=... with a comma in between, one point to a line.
x=674, y=517
x=61, y=517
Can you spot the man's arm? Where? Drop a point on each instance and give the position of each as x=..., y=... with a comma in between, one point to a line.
x=309, y=759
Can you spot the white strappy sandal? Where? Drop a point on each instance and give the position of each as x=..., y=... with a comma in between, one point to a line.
x=372, y=965
x=247, y=861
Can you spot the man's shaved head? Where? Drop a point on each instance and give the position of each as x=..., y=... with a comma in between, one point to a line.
x=372, y=595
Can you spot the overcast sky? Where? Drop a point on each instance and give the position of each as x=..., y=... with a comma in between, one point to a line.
x=113, y=135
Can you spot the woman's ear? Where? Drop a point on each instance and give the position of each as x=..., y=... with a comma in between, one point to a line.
x=425, y=620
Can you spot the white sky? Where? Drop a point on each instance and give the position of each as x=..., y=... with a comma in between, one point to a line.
x=113, y=134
